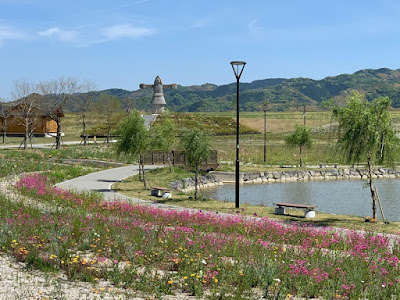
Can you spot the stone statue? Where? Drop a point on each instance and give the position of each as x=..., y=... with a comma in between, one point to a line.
x=158, y=103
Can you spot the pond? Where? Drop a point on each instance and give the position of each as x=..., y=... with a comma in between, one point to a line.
x=347, y=197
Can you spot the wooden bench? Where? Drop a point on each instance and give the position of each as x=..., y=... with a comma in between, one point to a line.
x=308, y=213
x=159, y=191
x=95, y=137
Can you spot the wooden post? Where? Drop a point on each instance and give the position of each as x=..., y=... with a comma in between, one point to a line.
x=380, y=204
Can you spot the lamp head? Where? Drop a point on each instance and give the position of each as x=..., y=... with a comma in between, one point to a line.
x=239, y=67
x=237, y=63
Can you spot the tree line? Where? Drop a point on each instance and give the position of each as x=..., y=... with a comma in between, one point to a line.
x=282, y=93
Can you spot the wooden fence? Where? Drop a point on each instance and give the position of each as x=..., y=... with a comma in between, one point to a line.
x=178, y=158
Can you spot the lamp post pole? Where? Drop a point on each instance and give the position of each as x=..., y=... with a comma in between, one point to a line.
x=264, y=108
x=238, y=72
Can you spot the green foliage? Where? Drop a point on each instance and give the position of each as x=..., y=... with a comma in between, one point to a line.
x=100, y=128
x=163, y=134
x=283, y=93
x=106, y=105
x=134, y=138
x=366, y=132
x=196, y=143
x=366, y=129
x=300, y=137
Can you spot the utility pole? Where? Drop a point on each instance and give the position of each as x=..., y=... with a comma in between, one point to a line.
x=264, y=108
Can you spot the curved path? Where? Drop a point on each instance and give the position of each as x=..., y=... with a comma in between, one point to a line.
x=103, y=180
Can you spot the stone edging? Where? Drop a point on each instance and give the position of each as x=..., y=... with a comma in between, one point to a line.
x=218, y=178
x=334, y=174
x=187, y=184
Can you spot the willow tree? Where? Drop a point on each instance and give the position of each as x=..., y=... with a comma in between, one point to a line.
x=134, y=140
x=196, y=144
x=366, y=134
x=301, y=138
x=163, y=136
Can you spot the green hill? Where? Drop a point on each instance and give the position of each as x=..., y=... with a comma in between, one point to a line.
x=282, y=93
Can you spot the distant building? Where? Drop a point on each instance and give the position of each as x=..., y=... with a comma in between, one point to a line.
x=40, y=123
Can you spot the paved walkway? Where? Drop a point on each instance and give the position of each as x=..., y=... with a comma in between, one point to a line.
x=47, y=145
x=103, y=180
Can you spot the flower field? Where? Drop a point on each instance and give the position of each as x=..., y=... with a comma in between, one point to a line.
x=160, y=252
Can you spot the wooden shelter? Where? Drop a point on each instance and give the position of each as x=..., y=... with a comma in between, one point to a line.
x=40, y=123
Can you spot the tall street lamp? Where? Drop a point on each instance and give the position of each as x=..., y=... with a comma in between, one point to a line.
x=238, y=67
x=264, y=108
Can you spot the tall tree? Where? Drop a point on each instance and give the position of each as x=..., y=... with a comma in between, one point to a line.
x=87, y=87
x=56, y=93
x=163, y=136
x=129, y=104
x=301, y=138
x=107, y=106
x=134, y=140
x=196, y=144
x=366, y=134
x=24, y=93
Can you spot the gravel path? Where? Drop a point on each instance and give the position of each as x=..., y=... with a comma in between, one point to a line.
x=16, y=282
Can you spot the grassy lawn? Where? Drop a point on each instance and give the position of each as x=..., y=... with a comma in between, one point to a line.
x=15, y=162
x=159, y=177
x=279, y=125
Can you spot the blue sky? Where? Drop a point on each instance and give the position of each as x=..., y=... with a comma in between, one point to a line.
x=121, y=43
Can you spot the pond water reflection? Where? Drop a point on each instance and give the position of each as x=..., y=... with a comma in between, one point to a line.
x=346, y=197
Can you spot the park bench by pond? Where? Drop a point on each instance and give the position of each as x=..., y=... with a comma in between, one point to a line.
x=159, y=191
x=96, y=137
x=308, y=209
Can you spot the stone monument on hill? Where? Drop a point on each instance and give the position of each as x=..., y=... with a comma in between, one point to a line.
x=158, y=103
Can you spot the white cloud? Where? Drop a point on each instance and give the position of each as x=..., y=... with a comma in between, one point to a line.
x=201, y=23
x=130, y=4
x=9, y=33
x=141, y=1
x=126, y=31
x=255, y=30
x=62, y=35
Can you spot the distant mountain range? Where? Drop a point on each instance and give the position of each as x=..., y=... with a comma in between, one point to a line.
x=282, y=93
